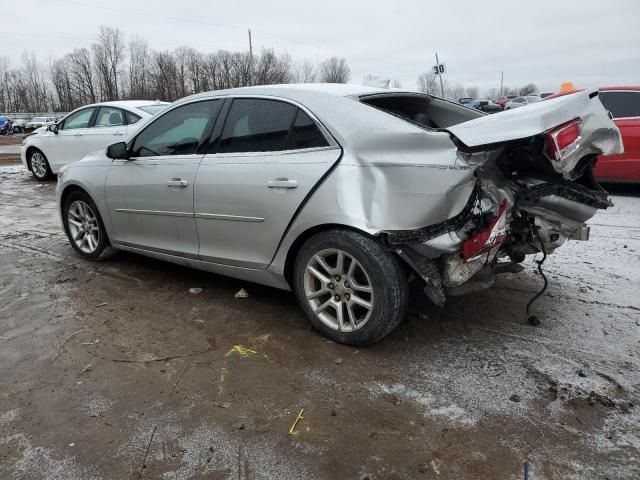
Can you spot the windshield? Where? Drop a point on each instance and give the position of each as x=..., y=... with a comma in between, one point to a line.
x=153, y=109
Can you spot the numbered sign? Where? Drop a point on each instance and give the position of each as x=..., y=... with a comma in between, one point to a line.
x=439, y=69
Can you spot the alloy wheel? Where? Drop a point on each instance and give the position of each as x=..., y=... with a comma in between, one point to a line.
x=83, y=226
x=39, y=164
x=339, y=290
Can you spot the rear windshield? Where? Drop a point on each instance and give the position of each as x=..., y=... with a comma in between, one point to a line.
x=153, y=109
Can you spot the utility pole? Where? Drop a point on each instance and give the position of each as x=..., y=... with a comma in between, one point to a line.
x=501, y=82
x=440, y=76
x=250, y=59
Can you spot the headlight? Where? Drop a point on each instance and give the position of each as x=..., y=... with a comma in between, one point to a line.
x=61, y=172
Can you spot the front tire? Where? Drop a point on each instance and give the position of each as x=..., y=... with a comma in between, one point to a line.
x=39, y=165
x=83, y=225
x=352, y=290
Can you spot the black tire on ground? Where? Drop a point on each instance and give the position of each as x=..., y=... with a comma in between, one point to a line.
x=44, y=173
x=103, y=240
x=389, y=283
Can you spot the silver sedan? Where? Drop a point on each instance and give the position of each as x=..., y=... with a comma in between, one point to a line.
x=343, y=193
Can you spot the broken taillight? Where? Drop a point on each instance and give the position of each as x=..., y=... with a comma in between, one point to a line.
x=487, y=238
x=563, y=140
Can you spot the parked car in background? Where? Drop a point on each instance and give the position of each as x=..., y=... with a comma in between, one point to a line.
x=502, y=101
x=465, y=100
x=18, y=126
x=37, y=122
x=521, y=101
x=486, y=106
x=82, y=131
x=624, y=105
x=5, y=125
x=343, y=193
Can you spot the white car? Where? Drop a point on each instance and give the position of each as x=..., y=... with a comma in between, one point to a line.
x=85, y=130
x=37, y=122
x=521, y=101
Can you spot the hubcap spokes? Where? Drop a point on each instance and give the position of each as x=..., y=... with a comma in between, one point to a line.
x=83, y=226
x=38, y=164
x=338, y=290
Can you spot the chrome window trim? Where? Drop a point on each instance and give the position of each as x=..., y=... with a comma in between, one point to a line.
x=271, y=153
x=325, y=132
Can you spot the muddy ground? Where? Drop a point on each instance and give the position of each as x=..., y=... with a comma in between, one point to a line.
x=105, y=364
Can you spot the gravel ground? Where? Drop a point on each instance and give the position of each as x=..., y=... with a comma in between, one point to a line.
x=115, y=370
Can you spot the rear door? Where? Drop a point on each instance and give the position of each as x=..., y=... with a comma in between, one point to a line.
x=624, y=105
x=109, y=126
x=69, y=144
x=150, y=195
x=261, y=164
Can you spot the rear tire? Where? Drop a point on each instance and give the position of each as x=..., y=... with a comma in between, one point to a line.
x=83, y=226
x=352, y=290
x=39, y=165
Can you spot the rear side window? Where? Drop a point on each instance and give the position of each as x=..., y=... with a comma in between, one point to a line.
x=256, y=125
x=132, y=118
x=621, y=104
x=305, y=133
x=109, y=117
x=178, y=132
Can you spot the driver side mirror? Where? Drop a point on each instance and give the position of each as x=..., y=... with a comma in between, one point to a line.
x=53, y=128
x=118, y=151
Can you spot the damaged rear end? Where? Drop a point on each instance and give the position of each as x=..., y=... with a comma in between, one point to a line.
x=534, y=190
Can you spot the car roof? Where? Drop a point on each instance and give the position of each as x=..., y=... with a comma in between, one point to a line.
x=295, y=89
x=350, y=122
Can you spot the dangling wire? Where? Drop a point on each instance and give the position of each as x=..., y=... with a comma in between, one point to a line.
x=533, y=320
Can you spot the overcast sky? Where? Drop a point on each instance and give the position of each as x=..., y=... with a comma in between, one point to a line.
x=547, y=42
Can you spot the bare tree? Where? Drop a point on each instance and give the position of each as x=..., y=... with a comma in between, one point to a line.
x=396, y=83
x=528, y=89
x=304, y=72
x=81, y=73
x=335, y=70
x=139, y=65
x=108, y=55
x=471, y=92
x=428, y=83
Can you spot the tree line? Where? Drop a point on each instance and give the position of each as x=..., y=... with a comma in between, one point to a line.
x=429, y=83
x=113, y=69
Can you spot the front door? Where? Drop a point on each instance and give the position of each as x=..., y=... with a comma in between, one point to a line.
x=267, y=158
x=69, y=144
x=108, y=127
x=150, y=196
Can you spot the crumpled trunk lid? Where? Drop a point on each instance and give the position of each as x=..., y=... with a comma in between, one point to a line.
x=599, y=135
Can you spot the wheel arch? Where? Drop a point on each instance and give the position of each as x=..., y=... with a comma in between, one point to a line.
x=297, y=244
x=68, y=190
x=28, y=153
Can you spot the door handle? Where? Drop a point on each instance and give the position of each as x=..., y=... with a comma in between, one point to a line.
x=77, y=135
x=177, y=182
x=118, y=134
x=282, y=183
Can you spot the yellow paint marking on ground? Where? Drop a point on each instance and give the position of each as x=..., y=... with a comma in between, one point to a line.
x=240, y=350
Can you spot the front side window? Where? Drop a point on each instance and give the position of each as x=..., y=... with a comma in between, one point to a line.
x=178, y=132
x=257, y=125
x=109, y=117
x=79, y=119
x=621, y=104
